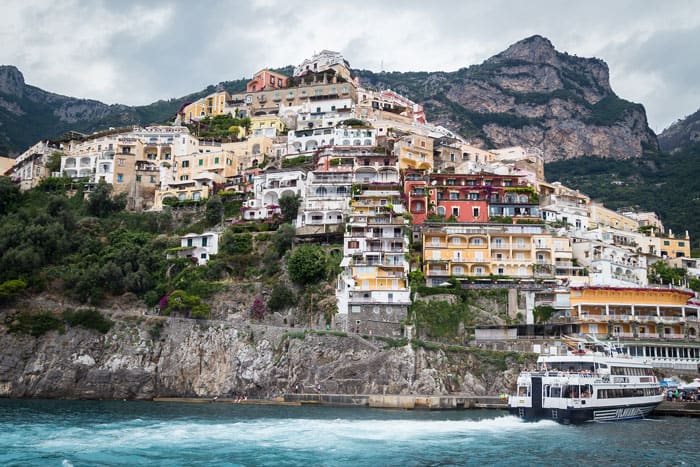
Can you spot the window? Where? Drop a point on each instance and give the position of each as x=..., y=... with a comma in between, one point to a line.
x=203, y=256
x=435, y=240
x=454, y=195
x=138, y=178
x=680, y=244
x=272, y=80
x=475, y=212
x=121, y=161
x=153, y=179
x=204, y=241
x=216, y=160
x=120, y=177
x=474, y=196
x=185, y=164
x=441, y=210
x=189, y=242
x=184, y=178
x=455, y=212
x=436, y=255
x=201, y=162
x=353, y=244
x=456, y=240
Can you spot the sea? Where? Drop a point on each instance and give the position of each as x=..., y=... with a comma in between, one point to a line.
x=129, y=433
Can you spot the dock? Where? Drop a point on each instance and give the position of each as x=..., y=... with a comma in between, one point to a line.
x=678, y=409
x=377, y=401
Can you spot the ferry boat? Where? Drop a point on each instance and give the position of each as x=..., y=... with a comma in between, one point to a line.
x=583, y=386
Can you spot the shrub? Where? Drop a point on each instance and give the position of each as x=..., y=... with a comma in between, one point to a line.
x=89, y=319
x=307, y=264
x=12, y=288
x=35, y=324
x=280, y=297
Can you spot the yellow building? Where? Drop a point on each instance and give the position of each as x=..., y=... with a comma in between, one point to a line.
x=524, y=251
x=266, y=125
x=634, y=313
x=604, y=217
x=6, y=164
x=415, y=152
x=209, y=106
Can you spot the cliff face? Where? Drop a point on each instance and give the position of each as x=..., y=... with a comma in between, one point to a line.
x=531, y=95
x=222, y=359
x=681, y=134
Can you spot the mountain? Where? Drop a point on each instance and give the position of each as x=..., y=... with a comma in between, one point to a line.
x=29, y=114
x=531, y=95
x=681, y=134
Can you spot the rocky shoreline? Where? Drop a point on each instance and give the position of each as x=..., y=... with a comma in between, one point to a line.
x=146, y=357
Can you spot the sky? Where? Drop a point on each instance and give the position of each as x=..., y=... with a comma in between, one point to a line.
x=138, y=51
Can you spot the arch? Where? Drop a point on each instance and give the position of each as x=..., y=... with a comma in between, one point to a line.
x=321, y=191
x=311, y=145
x=356, y=142
x=523, y=198
x=84, y=161
x=441, y=210
x=342, y=191
x=692, y=333
x=368, y=142
x=270, y=198
x=70, y=162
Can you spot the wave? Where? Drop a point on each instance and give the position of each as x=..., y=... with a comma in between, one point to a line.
x=317, y=433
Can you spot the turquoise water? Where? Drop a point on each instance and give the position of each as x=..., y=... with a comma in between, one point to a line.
x=86, y=433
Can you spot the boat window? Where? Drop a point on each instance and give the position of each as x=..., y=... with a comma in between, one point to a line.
x=555, y=391
x=586, y=390
x=523, y=391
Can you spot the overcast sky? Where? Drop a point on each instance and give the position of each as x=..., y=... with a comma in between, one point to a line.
x=138, y=51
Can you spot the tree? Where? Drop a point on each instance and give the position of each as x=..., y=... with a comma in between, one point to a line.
x=101, y=203
x=9, y=194
x=543, y=313
x=284, y=238
x=281, y=297
x=259, y=309
x=236, y=244
x=289, y=205
x=214, y=210
x=181, y=301
x=54, y=162
x=307, y=264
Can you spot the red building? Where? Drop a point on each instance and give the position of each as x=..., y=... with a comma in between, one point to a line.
x=266, y=79
x=468, y=198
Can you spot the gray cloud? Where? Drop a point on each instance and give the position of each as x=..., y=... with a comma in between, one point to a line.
x=138, y=51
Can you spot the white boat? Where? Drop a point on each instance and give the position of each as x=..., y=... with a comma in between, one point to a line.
x=586, y=386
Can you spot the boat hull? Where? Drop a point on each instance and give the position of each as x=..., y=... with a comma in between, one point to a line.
x=581, y=415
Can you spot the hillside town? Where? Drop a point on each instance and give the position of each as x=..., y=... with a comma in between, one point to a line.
x=412, y=203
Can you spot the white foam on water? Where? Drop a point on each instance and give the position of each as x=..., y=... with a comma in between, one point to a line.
x=66, y=463
x=319, y=434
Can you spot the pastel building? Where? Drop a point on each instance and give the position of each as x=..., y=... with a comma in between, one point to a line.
x=520, y=251
x=268, y=188
x=265, y=80
x=326, y=199
x=634, y=313
x=372, y=291
x=199, y=247
x=30, y=167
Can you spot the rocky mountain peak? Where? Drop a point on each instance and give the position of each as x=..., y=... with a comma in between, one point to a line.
x=535, y=49
x=11, y=81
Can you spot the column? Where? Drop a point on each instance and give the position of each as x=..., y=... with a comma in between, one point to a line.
x=607, y=310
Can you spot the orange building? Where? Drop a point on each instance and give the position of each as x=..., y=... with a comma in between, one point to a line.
x=266, y=80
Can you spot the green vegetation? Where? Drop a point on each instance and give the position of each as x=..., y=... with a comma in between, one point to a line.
x=221, y=126
x=34, y=323
x=440, y=318
x=307, y=264
x=281, y=297
x=662, y=273
x=289, y=205
x=668, y=184
x=89, y=319
x=610, y=110
x=189, y=305
x=11, y=289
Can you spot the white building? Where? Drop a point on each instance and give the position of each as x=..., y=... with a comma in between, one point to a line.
x=268, y=188
x=326, y=200
x=199, y=246
x=611, y=265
